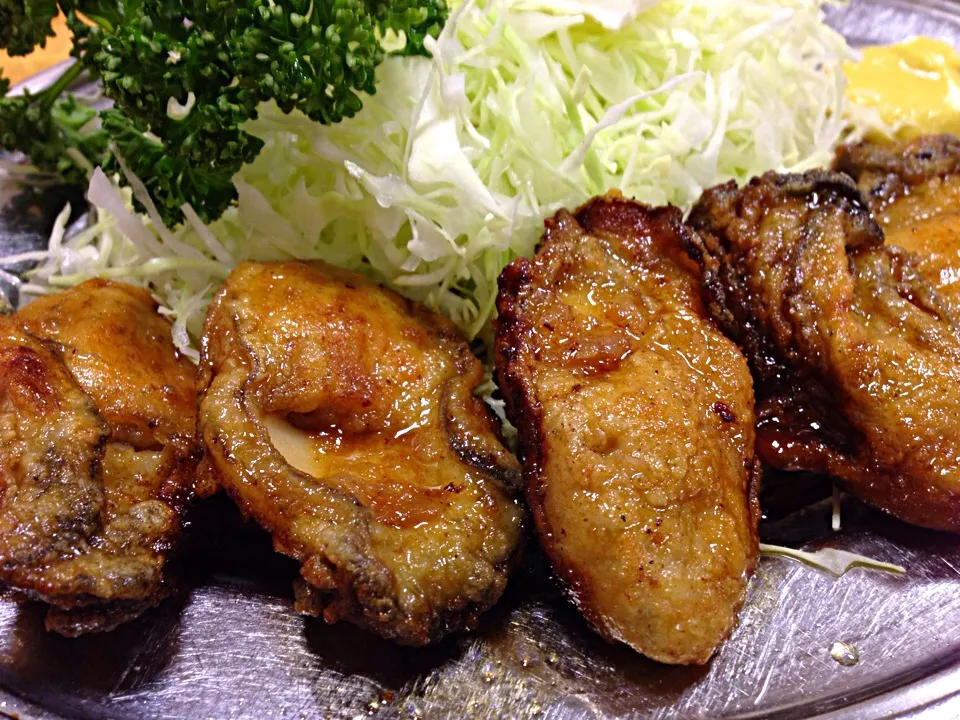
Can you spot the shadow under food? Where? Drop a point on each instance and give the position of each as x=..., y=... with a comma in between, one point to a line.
x=72, y=675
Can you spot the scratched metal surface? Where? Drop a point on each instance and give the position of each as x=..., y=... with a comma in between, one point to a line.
x=230, y=645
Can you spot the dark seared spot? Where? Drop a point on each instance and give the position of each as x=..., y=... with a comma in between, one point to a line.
x=23, y=369
x=721, y=409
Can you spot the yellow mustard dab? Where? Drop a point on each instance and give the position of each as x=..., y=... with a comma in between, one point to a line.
x=914, y=85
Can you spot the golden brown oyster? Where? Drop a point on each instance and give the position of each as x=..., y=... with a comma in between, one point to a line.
x=341, y=417
x=854, y=354
x=96, y=455
x=635, y=417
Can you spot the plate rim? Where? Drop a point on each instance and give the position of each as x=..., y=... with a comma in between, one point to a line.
x=928, y=694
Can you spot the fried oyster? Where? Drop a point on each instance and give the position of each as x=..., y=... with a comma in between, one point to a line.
x=97, y=453
x=635, y=419
x=855, y=359
x=913, y=190
x=341, y=417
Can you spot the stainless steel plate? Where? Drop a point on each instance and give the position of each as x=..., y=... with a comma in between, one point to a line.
x=230, y=646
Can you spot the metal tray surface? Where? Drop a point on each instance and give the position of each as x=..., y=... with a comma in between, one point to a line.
x=230, y=645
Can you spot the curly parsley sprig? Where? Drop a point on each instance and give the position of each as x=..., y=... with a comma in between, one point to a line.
x=185, y=75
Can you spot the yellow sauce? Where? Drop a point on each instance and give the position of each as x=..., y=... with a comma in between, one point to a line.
x=914, y=85
x=401, y=479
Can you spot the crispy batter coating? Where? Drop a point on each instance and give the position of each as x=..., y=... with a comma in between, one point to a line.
x=119, y=349
x=635, y=418
x=913, y=190
x=96, y=454
x=341, y=417
x=855, y=359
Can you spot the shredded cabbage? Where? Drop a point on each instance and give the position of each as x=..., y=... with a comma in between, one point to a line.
x=526, y=106
x=832, y=561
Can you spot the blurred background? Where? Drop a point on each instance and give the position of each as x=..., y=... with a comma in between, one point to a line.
x=57, y=49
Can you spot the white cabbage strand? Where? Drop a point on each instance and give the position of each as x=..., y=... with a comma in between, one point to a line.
x=447, y=173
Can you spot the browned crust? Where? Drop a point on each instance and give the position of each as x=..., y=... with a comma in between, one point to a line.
x=87, y=601
x=37, y=385
x=338, y=588
x=796, y=390
x=354, y=585
x=99, y=616
x=886, y=171
x=780, y=373
x=523, y=409
x=613, y=214
x=728, y=296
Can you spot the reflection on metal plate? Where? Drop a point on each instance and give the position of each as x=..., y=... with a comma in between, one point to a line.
x=230, y=646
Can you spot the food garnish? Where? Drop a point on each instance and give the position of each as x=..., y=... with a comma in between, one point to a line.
x=24, y=25
x=55, y=130
x=831, y=560
x=184, y=77
x=522, y=108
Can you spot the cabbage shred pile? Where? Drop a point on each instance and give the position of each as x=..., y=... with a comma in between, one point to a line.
x=448, y=171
